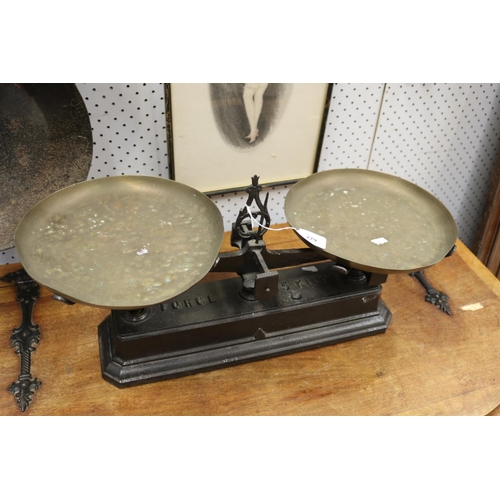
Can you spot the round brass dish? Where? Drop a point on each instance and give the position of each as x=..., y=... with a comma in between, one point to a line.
x=372, y=221
x=121, y=242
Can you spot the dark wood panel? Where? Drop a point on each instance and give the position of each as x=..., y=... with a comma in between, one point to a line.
x=487, y=241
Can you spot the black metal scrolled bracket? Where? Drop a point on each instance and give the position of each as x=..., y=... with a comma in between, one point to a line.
x=253, y=261
x=25, y=338
x=439, y=299
x=258, y=281
x=242, y=227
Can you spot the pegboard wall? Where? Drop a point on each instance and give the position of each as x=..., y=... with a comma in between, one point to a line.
x=443, y=137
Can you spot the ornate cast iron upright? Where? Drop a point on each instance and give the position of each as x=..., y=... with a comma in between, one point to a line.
x=242, y=229
x=25, y=338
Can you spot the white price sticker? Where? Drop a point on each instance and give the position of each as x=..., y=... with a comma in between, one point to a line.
x=379, y=241
x=313, y=238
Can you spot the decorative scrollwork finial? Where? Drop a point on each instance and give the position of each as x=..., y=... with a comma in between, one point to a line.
x=242, y=228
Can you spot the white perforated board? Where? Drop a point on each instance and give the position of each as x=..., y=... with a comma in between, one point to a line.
x=443, y=137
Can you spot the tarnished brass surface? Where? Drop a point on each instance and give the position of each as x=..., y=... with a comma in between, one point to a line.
x=121, y=242
x=355, y=209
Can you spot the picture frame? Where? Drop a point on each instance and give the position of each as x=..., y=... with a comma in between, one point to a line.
x=221, y=134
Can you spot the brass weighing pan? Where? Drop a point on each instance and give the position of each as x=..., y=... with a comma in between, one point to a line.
x=121, y=242
x=372, y=221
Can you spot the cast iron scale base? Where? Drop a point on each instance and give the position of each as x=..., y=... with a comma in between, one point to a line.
x=211, y=326
x=261, y=314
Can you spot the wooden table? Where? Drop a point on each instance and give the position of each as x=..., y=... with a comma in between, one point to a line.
x=427, y=363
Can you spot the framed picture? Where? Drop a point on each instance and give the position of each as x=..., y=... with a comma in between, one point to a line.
x=221, y=134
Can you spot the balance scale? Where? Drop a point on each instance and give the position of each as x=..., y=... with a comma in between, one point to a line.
x=141, y=246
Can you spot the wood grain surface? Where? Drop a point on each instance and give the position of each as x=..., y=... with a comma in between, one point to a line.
x=427, y=363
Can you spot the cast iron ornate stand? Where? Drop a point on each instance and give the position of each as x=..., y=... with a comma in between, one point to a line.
x=242, y=227
x=25, y=338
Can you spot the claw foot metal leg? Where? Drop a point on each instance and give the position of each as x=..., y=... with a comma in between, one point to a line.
x=25, y=338
x=439, y=299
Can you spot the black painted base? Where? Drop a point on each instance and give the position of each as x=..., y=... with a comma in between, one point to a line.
x=211, y=326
